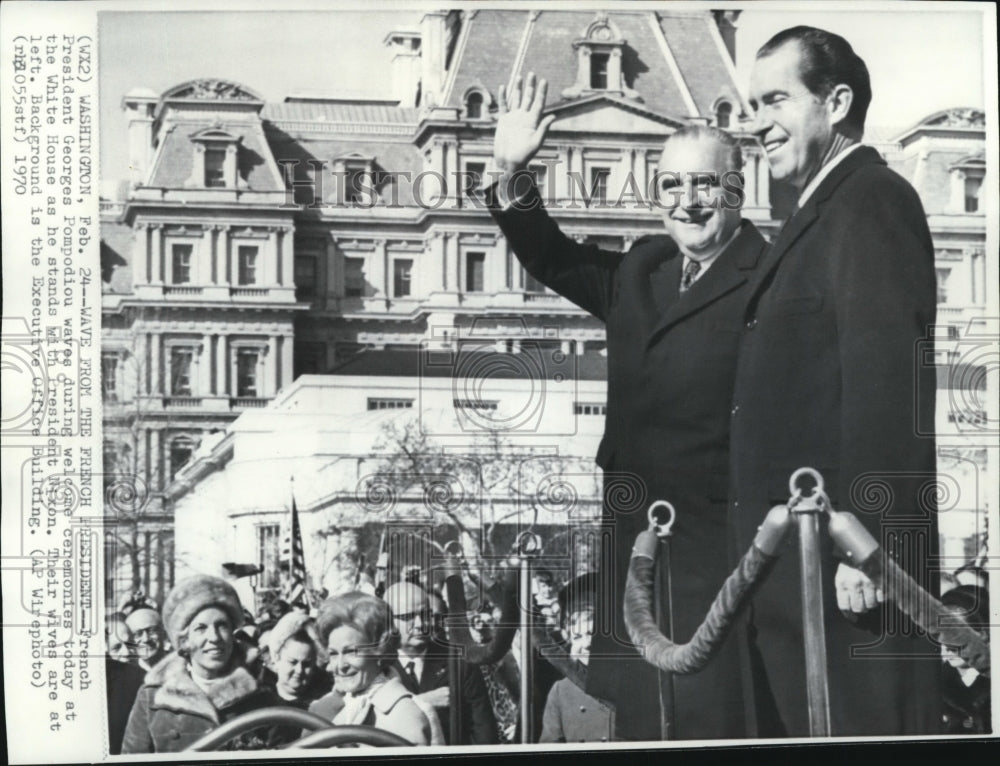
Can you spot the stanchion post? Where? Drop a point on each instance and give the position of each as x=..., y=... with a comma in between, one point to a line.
x=528, y=545
x=806, y=510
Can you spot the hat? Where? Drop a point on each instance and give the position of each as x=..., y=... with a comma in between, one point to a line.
x=192, y=595
x=288, y=626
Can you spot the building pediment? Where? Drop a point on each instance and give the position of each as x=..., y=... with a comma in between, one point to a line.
x=957, y=118
x=211, y=90
x=608, y=113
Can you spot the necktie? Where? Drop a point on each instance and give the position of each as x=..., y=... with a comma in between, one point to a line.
x=690, y=272
x=411, y=674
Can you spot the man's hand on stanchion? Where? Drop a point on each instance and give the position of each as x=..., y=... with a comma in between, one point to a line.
x=856, y=593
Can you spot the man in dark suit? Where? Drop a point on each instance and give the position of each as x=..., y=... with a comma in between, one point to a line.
x=422, y=666
x=673, y=306
x=830, y=376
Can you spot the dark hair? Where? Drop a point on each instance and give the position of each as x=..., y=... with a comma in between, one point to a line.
x=368, y=615
x=545, y=576
x=828, y=60
x=711, y=133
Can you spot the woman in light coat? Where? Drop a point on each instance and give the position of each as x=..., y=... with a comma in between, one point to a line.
x=361, y=645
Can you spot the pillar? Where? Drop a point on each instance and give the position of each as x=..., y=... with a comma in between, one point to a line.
x=155, y=375
x=204, y=367
x=156, y=460
x=221, y=366
x=144, y=272
x=287, y=348
x=270, y=387
x=157, y=258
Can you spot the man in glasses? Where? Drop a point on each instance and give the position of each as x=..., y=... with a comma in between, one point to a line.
x=673, y=306
x=422, y=666
x=831, y=376
x=148, y=636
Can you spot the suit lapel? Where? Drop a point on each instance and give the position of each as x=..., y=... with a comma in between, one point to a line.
x=435, y=673
x=661, y=263
x=726, y=274
x=799, y=223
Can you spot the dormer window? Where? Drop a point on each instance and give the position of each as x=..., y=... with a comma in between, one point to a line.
x=215, y=159
x=723, y=114
x=599, y=61
x=967, y=184
x=215, y=167
x=356, y=175
x=477, y=102
x=599, y=70
x=474, y=106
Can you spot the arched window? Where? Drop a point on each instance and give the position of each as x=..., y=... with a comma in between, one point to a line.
x=474, y=105
x=723, y=114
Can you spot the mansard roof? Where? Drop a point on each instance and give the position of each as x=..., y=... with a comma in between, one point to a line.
x=174, y=161
x=674, y=60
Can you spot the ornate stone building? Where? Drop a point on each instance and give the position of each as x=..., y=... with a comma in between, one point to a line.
x=256, y=241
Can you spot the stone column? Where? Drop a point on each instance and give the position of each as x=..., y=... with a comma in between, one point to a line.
x=157, y=259
x=221, y=366
x=270, y=378
x=377, y=265
x=271, y=259
x=433, y=271
x=203, y=275
x=156, y=460
x=453, y=269
x=287, y=349
x=287, y=247
x=205, y=367
x=155, y=361
x=144, y=267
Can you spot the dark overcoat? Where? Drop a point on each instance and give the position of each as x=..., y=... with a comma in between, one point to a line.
x=478, y=724
x=835, y=373
x=671, y=365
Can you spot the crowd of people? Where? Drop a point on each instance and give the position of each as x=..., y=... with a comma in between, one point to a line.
x=176, y=674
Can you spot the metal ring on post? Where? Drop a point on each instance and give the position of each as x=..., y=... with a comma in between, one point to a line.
x=816, y=476
x=528, y=543
x=662, y=530
x=458, y=550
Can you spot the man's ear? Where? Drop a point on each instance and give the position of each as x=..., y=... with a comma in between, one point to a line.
x=839, y=103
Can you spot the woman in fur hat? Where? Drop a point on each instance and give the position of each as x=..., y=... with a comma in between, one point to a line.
x=203, y=682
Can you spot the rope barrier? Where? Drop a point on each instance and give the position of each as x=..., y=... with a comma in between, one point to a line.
x=667, y=655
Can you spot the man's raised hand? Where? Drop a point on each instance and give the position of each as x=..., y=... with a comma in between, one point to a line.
x=520, y=126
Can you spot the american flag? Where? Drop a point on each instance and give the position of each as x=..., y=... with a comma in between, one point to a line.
x=294, y=559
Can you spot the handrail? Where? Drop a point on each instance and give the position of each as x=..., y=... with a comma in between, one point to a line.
x=347, y=735
x=267, y=716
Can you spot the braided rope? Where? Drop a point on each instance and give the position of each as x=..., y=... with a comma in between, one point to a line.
x=663, y=653
x=946, y=627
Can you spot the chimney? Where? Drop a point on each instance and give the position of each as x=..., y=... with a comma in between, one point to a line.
x=405, y=48
x=139, y=105
x=438, y=30
x=726, y=22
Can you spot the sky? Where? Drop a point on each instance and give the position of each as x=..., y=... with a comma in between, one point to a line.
x=921, y=58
